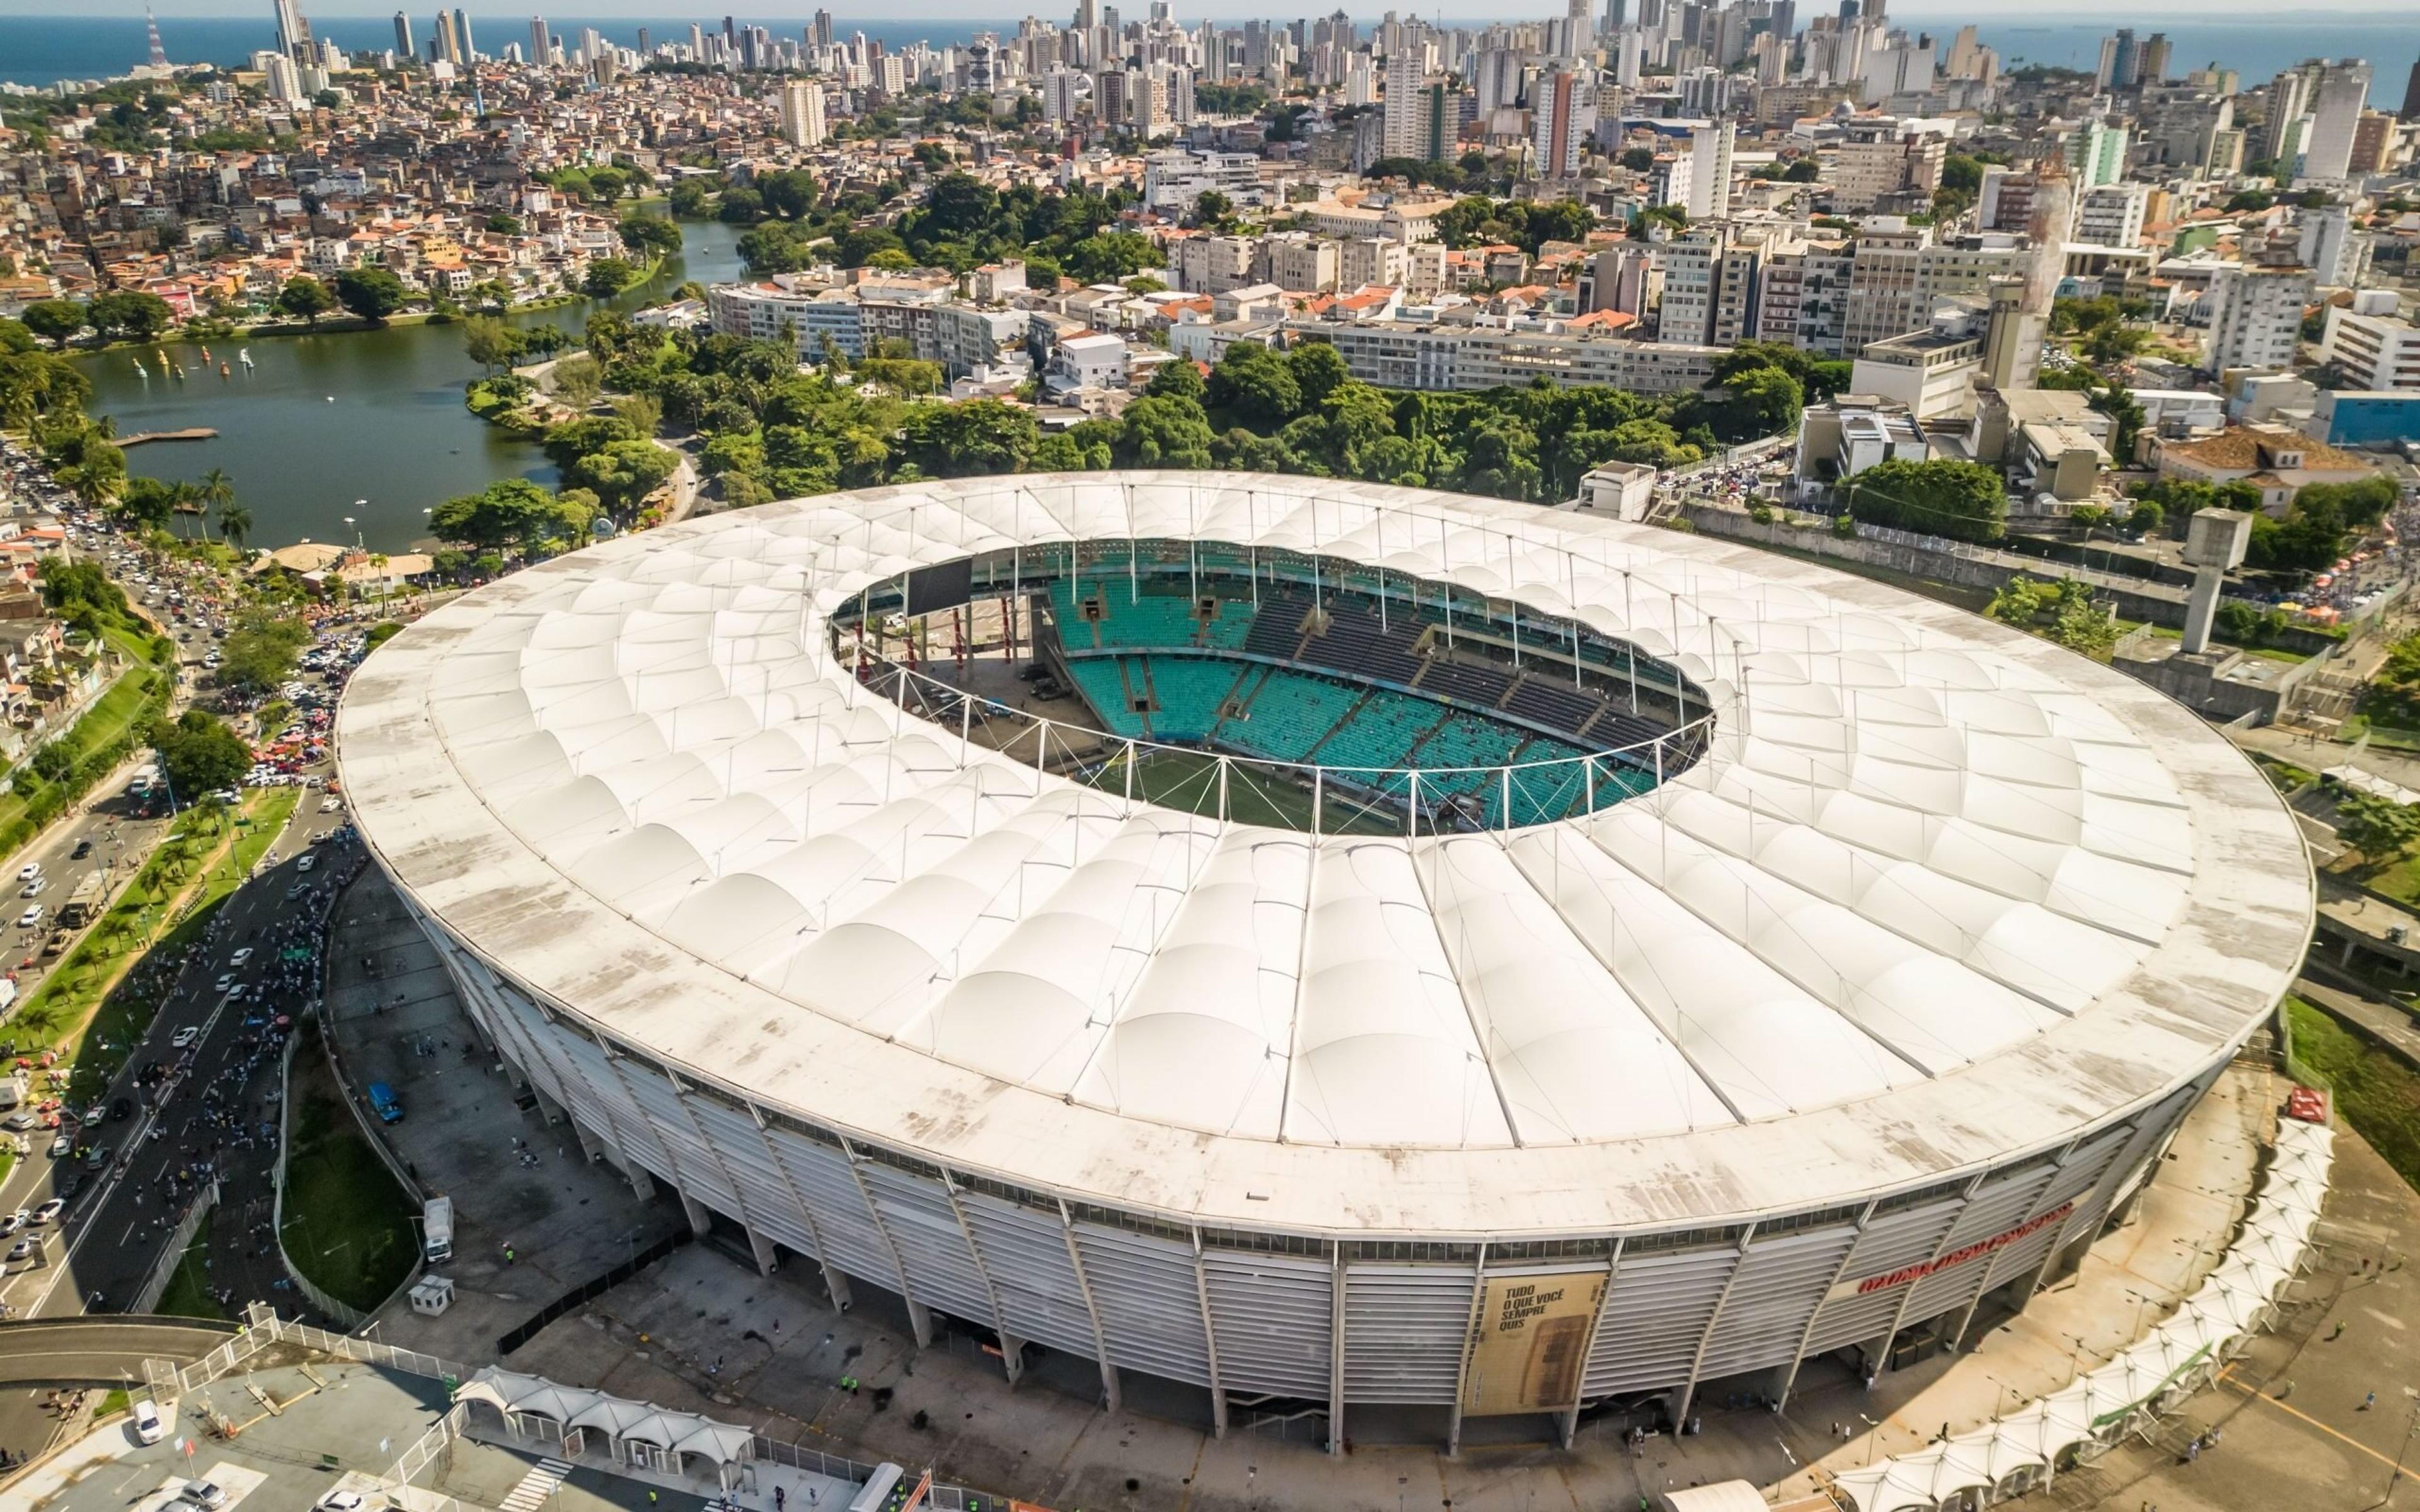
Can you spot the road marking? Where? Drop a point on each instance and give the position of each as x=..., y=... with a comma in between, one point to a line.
x=2259, y=1395
x=535, y=1487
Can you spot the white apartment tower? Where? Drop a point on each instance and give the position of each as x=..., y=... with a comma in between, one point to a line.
x=802, y=114
x=2256, y=317
x=1407, y=102
x=2344, y=88
x=1709, y=171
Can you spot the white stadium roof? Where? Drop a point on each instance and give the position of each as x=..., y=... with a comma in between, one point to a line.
x=1938, y=892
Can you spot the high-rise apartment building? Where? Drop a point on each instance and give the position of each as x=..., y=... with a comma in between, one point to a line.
x=1406, y=101
x=2255, y=317
x=802, y=112
x=403, y=44
x=1562, y=112
x=2336, y=113
x=541, y=42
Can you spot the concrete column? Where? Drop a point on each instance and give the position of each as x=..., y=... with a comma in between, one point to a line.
x=919, y=1320
x=642, y=1180
x=1462, y=1370
x=589, y=1149
x=1011, y=1356
x=763, y=1249
x=548, y=1108
x=701, y=1219
x=1696, y=1362
x=836, y=1282
x=1839, y=1274
x=1210, y=1342
x=1336, y=1353
x=1083, y=1283
x=1567, y=1421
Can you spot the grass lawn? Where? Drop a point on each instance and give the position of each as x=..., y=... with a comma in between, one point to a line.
x=189, y=1289
x=114, y=1400
x=2377, y=1091
x=347, y=1221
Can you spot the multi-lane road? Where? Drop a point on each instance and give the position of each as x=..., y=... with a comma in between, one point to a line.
x=108, y=1239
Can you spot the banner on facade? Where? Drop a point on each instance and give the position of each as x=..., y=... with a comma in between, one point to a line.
x=1530, y=1341
x=1906, y=1274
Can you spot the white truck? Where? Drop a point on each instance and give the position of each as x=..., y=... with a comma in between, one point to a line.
x=437, y=1230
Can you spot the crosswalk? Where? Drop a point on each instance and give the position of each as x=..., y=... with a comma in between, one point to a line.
x=536, y=1487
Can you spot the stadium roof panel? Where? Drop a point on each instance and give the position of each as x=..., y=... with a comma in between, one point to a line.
x=1938, y=892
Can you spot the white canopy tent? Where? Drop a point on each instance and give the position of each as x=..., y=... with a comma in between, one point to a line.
x=630, y=1427
x=2009, y=1454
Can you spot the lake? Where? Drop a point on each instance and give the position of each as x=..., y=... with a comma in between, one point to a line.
x=363, y=422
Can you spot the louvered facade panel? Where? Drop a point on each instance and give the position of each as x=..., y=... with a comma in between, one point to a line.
x=917, y=1216
x=1782, y=1281
x=1405, y=1326
x=1656, y=1314
x=1150, y=1301
x=1025, y=1253
x=1272, y=1314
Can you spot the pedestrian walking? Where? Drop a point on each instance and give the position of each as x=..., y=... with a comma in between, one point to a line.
x=2367, y=1402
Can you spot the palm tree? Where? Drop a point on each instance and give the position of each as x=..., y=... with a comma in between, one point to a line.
x=218, y=491
x=235, y=523
x=183, y=499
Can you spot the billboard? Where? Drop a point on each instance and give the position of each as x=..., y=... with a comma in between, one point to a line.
x=1529, y=1340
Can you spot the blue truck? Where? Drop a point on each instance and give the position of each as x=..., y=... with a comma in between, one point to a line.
x=384, y=1104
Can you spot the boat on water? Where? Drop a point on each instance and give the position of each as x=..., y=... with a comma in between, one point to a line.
x=225, y=371
x=244, y=355
x=140, y=369
x=206, y=357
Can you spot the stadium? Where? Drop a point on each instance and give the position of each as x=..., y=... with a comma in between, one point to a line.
x=1325, y=951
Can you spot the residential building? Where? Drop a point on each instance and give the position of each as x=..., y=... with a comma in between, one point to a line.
x=1882, y=167
x=2255, y=317
x=2335, y=115
x=2374, y=352
x=802, y=112
x=2111, y=215
x=1562, y=110
x=1578, y=353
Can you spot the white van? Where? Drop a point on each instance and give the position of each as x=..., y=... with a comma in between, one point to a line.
x=148, y=1427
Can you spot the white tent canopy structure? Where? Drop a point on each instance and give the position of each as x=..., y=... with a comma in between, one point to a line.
x=2029, y=1446
x=629, y=1429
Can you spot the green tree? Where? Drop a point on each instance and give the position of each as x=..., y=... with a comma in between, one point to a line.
x=307, y=299
x=258, y=654
x=235, y=523
x=372, y=293
x=1164, y=433
x=1961, y=501
x=623, y=474
x=199, y=754
x=128, y=315
x=1254, y=385
x=577, y=380
x=608, y=276
x=689, y=199
x=642, y=232
x=491, y=343
x=2379, y=829
x=981, y=436
x=56, y=321
x=2059, y=610
x=512, y=514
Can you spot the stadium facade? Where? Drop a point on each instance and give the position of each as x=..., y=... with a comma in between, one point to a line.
x=1456, y=957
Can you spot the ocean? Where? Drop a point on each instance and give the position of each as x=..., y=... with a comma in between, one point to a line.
x=40, y=50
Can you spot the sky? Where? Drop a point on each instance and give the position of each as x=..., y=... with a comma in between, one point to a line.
x=2137, y=12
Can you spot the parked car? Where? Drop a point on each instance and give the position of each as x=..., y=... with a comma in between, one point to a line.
x=203, y=1494
x=148, y=1427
